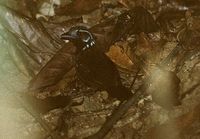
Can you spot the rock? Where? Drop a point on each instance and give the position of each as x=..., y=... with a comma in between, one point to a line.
x=164, y=88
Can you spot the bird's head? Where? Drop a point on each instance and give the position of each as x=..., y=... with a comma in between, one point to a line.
x=80, y=36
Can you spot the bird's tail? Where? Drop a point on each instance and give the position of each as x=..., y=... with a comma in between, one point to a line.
x=47, y=104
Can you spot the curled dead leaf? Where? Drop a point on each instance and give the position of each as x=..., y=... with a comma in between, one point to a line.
x=79, y=7
x=120, y=58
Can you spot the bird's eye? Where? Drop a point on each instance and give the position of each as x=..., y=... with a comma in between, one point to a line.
x=84, y=36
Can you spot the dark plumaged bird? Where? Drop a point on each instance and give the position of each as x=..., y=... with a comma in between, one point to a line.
x=93, y=67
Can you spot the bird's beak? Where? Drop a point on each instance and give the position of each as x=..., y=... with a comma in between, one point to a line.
x=67, y=36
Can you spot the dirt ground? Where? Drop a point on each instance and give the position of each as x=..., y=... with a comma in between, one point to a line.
x=165, y=61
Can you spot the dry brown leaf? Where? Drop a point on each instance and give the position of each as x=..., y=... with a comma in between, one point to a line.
x=79, y=7
x=125, y=3
x=119, y=57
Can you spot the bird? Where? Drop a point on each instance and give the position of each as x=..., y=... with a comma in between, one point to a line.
x=93, y=66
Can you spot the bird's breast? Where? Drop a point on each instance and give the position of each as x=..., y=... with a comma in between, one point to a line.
x=94, y=66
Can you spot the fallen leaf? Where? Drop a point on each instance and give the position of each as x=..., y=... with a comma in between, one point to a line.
x=79, y=7
x=119, y=57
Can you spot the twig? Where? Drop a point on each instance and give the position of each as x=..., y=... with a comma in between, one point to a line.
x=190, y=90
x=134, y=79
x=171, y=55
x=123, y=108
x=117, y=114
